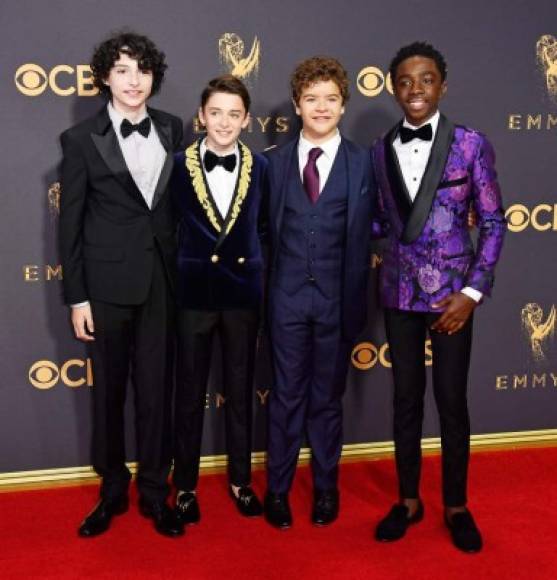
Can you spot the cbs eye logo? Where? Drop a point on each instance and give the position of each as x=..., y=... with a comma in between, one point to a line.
x=542, y=217
x=371, y=81
x=32, y=80
x=366, y=355
x=45, y=374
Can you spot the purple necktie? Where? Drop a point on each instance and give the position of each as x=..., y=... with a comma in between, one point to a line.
x=311, y=175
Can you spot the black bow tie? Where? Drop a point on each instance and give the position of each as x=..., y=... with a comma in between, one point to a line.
x=424, y=133
x=211, y=160
x=143, y=128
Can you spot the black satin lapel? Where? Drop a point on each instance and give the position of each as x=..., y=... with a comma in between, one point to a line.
x=109, y=149
x=399, y=190
x=228, y=217
x=164, y=131
x=164, y=177
x=431, y=179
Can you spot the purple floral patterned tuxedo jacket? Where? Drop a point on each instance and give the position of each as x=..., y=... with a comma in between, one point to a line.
x=429, y=251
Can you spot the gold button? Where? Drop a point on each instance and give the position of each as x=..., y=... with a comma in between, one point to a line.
x=214, y=258
x=241, y=260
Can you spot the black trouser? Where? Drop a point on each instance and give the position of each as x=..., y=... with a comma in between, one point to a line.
x=237, y=330
x=139, y=339
x=406, y=333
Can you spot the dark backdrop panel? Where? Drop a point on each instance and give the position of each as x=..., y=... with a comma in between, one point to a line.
x=496, y=84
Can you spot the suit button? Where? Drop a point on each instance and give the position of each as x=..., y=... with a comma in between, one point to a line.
x=214, y=258
x=241, y=260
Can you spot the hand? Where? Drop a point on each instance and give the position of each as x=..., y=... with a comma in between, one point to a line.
x=82, y=321
x=472, y=218
x=457, y=310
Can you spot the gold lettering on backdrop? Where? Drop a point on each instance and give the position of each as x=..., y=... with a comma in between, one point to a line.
x=501, y=383
x=282, y=125
x=541, y=227
x=534, y=121
x=520, y=381
x=31, y=273
x=53, y=80
x=514, y=122
x=366, y=355
x=536, y=329
x=554, y=379
x=54, y=272
x=84, y=78
x=263, y=395
x=551, y=121
x=538, y=380
x=31, y=79
x=263, y=122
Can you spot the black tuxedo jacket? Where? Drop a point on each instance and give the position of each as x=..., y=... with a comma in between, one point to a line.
x=108, y=234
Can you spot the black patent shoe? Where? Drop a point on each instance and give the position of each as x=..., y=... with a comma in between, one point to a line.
x=325, y=507
x=246, y=502
x=187, y=508
x=98, y=521
x=465, y=534
x=165, y=519
x=277, y=510
x=394, y=525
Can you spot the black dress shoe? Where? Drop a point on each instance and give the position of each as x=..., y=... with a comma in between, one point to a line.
x=98, y=521
x=187, y=508
x=325, y=507
x=277, y=510
x=465, y=534
x=394, y=525
x=165, y=519
x=247, y=503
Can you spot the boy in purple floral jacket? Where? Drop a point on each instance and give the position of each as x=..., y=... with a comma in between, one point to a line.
x=430, y=172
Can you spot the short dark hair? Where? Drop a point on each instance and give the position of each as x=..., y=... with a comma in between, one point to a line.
x=136, y=46
x=226, y=84
x=315, y=69
x=419, y=49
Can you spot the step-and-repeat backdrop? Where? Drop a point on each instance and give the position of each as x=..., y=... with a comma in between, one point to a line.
x=502, y=80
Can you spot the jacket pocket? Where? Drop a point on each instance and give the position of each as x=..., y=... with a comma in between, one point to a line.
x=453, y=183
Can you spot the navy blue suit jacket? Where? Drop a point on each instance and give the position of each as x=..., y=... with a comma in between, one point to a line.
x=220, y=263
x=361, y=191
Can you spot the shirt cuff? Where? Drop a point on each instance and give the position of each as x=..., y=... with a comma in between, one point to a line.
x=476, y=295
x=80, y=304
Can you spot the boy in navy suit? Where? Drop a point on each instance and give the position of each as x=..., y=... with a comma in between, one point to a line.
x=321, y=192
x=217, y=186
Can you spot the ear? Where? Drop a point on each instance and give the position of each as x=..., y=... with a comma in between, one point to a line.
x=296, y=108
x=201, y=116
x=246, y=121
x=443, y=89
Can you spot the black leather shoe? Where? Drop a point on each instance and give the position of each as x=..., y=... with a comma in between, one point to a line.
x=325, y=507
x=394, y=525
x=277, y=510
x=98, y=521
x=187, y=508
x=247, y=503
x=165, y=519
x=465, y=534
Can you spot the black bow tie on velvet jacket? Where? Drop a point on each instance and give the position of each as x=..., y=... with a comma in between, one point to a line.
x=211, y=160
x=425, y=133
x=143, y=128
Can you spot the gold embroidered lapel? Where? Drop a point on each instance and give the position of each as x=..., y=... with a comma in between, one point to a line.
x=193, y=165
x=244, y=180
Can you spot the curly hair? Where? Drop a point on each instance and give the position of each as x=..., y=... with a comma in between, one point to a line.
x=135, y=46
x=226, y=84
x=419, y=49
x=315, y=69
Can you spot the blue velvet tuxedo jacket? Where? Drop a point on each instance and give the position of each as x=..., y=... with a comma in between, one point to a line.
x=220, y=263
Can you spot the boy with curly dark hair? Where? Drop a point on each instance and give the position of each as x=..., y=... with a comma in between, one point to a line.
x=321, y=192
x=118, y=254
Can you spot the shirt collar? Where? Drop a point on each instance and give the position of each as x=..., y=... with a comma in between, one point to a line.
x=330, y=147
x=434, y=122
x=203, y=147
x=117, y=117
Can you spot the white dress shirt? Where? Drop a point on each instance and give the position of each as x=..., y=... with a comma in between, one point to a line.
x=412, y=159
x=324, y=161
x=222, y=183
x=144, y=156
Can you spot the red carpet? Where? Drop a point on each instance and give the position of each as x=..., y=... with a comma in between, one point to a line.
x=513, y=497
